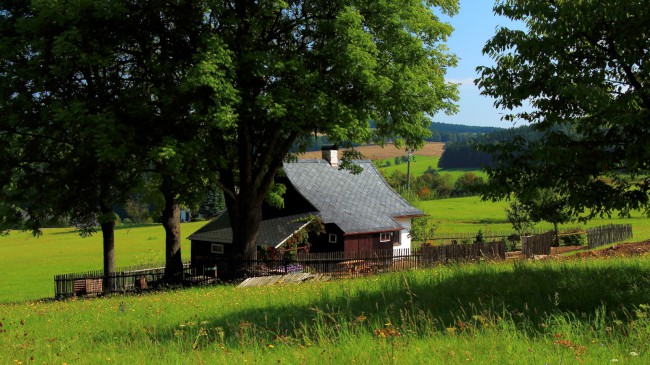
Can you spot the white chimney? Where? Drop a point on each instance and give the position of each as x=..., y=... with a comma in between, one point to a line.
x=330, y=154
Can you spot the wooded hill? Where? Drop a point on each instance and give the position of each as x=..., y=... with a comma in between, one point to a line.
x=465, y=154
x=440, y=132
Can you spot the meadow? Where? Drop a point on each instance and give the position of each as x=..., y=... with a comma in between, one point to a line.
x=388, y=151
x=471, y=214
x=572, y=311
x=554, y=312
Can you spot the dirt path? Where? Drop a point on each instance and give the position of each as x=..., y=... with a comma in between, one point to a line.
x=619, y=250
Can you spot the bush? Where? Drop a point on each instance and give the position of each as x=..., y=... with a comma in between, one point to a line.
x=480, y=237
x=574, y=240
x=424, y=193
x=513, y=239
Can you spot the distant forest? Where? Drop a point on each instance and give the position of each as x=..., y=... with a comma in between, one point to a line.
x=464, y=154
x=442, y=132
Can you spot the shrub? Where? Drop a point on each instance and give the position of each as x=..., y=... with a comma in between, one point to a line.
x=574, y=240
x=137, y=210
x=424, y=193
x=468, y=184
x=513, y=239
x=480, y=237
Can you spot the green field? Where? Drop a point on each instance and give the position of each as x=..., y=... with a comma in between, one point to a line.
x=28, y=264
x=420, y=164
x=469, y=214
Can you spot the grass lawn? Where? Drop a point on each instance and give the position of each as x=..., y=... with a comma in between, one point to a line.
x=28, y=264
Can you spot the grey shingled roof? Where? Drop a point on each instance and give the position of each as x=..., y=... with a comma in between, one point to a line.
x=355, y=203
x=272, y=231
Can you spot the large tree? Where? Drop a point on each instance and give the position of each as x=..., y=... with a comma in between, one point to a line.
x=584, y=67
x=96, y=93
x=191, y=90
x=67, y=145
x=165, y=52
x=304, y=67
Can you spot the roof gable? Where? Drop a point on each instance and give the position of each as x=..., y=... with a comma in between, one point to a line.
x=272, y=232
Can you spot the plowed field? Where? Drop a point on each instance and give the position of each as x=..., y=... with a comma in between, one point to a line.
x=387, y=151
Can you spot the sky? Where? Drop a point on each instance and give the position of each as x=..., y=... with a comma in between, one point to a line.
x=474, y=24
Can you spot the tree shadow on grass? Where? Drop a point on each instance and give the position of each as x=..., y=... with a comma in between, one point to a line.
x=533, y=292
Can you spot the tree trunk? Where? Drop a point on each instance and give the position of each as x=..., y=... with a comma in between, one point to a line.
x=245, y=218
x=557, y=235
x=171, y=220
x=108, y=235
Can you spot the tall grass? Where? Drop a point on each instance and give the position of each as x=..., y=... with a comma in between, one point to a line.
x=553, y=312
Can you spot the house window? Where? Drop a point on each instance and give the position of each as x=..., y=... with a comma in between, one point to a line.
x=398, y=242
x=217, y=248
x=385, y=237
x=332, y=238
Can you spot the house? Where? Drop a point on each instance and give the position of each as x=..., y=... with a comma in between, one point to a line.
x=360, y=212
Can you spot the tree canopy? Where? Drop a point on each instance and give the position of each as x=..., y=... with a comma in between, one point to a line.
x=67, y=147
x=96, y=94
x=584, y=67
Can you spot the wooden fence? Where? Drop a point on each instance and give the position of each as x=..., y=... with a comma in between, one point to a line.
x=351, y=264
x=492, y=235
x=603, y=235
x=598, y=236
x=334, y=264
x=539, y=244
x=126, y=279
